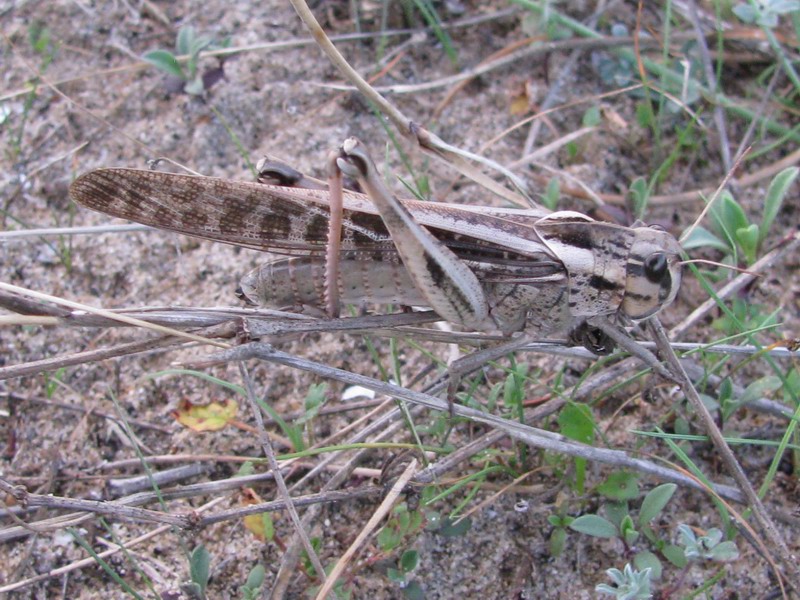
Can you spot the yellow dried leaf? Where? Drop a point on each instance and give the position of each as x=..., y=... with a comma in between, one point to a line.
x=207, y=417
x=259, y=525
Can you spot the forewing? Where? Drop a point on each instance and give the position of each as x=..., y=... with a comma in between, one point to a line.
x=295, y=221
x=244, y=214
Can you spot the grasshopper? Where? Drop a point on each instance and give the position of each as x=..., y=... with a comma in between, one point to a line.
x=487, y=269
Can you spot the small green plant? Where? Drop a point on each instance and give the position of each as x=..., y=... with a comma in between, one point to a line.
x=729, y=403
x=646, y=566
x=199, y=563
x=765, y=12
x=53, y=381
x=190, y=44
x=629, y=584
x=733, y=233
x=401, y=575
x=314, y=401
x=620, y=487
x=251, y=590
x=706, y=547
x=576, y=422
x=402, y=525
x=308, y=566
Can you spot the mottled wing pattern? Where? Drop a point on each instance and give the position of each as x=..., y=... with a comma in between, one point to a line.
x=244, y=214
x=294, y=221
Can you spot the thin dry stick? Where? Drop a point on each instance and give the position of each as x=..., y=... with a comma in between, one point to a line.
x=565, y=77
x=266, y=445
x=537, y=438
x=110, y=315
x=427, y=140
x=88, y=562
x=762, y=265
x=292, y=553
x=380, y=428
x=373, y=522
x=187, y=519
x=322, y=498
x=80, y=358
x=533, y=51
x=382, y=432
x=732, y=465
x=711, y=82
x=113, y=509
x=20, y=399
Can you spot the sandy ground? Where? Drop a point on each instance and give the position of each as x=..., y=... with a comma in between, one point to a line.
x=276, y=98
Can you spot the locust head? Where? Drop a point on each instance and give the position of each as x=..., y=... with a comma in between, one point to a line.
x=653, y=272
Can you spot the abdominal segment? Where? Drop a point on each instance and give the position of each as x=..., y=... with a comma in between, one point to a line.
x=299, y=283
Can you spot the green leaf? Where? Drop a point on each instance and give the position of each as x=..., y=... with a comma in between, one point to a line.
x=268, y=526
x=644, y=114
x=256, y=577
x=248, y=468
x=647, y=560
x=388, y=539
x=38, y=36
x=639, y=196
x=595, y=526
x=199, y=44
x=628, y=532
x=729, y=214
x=491, y=399
x=701, y=237
x=558, y=540
x=194, y=87
x=199, y=567
x=395, y=575
x=577, y=422
x=675, y=555
x=592, y=118
x=314, y=401
x=183, y=43
x=413, y=590
x=655, y=501
x=725, y=552
x=552, y=194
x=620, y=486
x=166, y=62
x=748, y=241
x=778, y=188
x=409, y=561
x=514, y=389
x=450, y=528
x=760, y=388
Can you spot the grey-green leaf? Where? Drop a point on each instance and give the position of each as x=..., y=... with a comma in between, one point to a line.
x=774, y=198
x=702, y=237
x=655, y=501
x=166, y=62
x=594, y=526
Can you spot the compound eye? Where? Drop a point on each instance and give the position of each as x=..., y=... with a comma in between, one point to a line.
x=655, y=267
